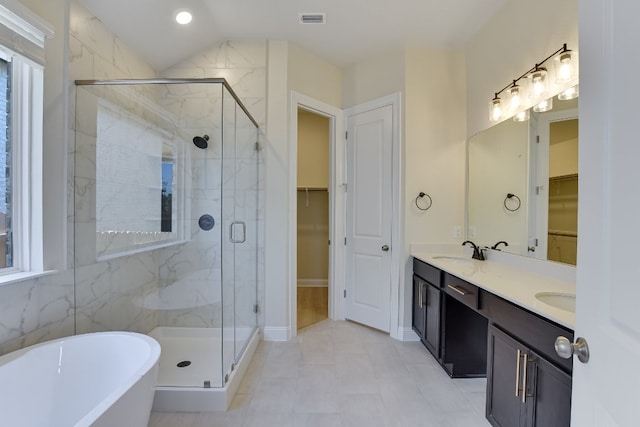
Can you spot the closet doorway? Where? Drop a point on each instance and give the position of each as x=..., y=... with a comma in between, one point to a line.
x=313, y=213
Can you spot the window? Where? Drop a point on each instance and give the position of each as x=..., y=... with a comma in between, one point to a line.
x=6, y=252
x=22, y=36
x=166, y=208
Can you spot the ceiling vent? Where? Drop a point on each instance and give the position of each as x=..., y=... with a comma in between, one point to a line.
x=312, y=18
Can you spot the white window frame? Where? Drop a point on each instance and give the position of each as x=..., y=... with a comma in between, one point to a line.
x=22, y=37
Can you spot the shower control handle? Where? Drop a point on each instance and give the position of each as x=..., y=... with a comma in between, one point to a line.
x=232, y=234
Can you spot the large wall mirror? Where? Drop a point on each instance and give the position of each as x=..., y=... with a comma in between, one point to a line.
x=523, y=185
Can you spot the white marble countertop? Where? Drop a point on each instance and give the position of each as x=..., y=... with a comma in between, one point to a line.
x=516, y=285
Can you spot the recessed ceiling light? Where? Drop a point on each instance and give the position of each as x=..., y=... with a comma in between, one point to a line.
x=183, y=17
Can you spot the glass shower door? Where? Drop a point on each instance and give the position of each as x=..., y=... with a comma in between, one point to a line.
x=247, y=199
x=232, y=232
x=240, y=213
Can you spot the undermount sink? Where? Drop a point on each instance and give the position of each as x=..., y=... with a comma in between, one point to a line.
x=566, y=302
x=453, y=259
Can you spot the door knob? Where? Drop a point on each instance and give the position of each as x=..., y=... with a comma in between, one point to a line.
x=385, y=248
x=566, y=349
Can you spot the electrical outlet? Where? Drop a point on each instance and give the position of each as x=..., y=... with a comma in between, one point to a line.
x=457, y=232
x=472, y=232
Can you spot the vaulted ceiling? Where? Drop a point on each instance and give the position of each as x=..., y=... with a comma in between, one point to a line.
x=354, y=29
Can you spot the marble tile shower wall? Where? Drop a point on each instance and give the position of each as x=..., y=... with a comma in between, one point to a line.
x=107, y=291
x=111, y=287
x=32, y=311
x=223, y=175
x=37, y=310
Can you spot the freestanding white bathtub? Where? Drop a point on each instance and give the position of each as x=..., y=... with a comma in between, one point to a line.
x=103, y=379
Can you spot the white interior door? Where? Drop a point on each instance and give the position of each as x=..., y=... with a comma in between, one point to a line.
x=369, y=217
x=605, y=390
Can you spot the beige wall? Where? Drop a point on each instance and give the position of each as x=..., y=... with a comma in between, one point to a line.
x=563, y=158
x=374, y=78
x=313, y=237
x=434, y=153
x=313, y=150
x=434, y=143
x=432, y=128
x=517, y=37
x=314, y=77
x=563, y=148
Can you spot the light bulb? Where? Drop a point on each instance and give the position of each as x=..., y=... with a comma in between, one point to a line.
x=566, y=66
x=516, y=99
x=495, y=112
x=538, y=82
x=183, y=17
x=522, y=116
x=570, y=93
x=543, y=106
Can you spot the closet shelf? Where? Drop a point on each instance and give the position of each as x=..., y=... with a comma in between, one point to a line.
x=564, y=177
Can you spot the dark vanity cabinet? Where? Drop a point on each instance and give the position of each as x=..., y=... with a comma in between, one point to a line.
x=446, y=318
x=523, y=388
x=426, y=305
x=464, y=329
x=473, y=333
x=528, y=384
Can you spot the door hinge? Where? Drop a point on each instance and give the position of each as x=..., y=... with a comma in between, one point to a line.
x=256, y=308
x=536, y=241
x=344, y=293
x=346, y=135
x=537, y=139
x=256, y=147
x=345, y=241
x=329, y=242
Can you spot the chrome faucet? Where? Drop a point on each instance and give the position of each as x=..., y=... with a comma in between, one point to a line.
x=495, y=247
x=478, y=253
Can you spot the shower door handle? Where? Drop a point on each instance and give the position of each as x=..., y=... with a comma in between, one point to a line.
x=232, y=234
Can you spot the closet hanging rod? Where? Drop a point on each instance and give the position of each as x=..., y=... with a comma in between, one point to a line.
x=312, y=189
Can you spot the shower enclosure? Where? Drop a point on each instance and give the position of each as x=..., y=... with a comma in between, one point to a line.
x=166, y=222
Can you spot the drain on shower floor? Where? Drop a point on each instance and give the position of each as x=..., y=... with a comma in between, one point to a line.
x=184, y=364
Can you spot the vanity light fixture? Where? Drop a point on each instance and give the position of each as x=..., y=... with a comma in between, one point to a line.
x=570, y=93
x=522, y=116
x=539, y=86
x=532, y=88
x=566, y=65
x=515, y=93
x=544, y=105
x=183, y=17
x=495, y=109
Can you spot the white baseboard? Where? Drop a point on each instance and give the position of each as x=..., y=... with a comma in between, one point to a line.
x=276, y=333
x=407, y=334
x=313, y=283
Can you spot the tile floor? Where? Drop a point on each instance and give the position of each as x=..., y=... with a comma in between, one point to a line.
x=343, y=374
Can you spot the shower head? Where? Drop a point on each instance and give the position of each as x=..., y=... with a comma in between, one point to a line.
x=201, y=141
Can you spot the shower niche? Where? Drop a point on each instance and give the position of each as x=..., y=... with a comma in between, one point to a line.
x=165, y=170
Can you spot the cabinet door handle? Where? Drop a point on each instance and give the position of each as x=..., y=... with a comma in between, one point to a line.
x=518, y=355
x=458, y=290
x=421, y=285
x=524, y=380
x=426, y=295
